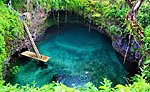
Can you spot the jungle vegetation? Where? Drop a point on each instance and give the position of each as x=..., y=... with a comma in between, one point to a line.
x=126, y=18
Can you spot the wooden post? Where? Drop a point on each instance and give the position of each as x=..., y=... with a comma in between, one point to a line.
x=31, y=40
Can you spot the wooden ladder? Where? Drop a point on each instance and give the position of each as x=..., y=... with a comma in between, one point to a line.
x=35, y=55
x=31, y=40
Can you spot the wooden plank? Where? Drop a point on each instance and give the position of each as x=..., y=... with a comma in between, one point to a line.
x=33, y=55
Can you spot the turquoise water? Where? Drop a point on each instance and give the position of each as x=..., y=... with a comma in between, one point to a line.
x=77, y=56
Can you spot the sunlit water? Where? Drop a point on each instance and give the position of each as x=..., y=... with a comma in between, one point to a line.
x=77, y=56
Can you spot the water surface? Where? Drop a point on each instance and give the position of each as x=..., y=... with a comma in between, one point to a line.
x=77, y=56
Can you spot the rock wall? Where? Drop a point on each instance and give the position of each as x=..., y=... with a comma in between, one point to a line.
x=34, y=20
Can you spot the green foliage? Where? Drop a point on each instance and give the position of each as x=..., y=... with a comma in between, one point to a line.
x=145, y=71
x=144, y=14
x=146, y=39
x=46, y=4
x=106, y=85
x=19, y=5
x=105, y=14
x=139, y=85
x=11, y=29
x=89, y=87
x=10, y=25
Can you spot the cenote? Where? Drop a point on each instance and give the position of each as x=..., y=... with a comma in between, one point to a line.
x=78, y=56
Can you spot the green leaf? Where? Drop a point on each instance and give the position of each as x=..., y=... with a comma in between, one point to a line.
x=147, y=62
x=96, y=15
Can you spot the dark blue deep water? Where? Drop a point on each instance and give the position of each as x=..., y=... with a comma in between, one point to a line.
x=77, y=56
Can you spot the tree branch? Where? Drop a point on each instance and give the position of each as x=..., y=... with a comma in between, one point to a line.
x=130, y=3
x=138, y=4
x=131, y=17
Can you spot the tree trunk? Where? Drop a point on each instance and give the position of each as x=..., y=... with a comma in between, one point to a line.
x=131, y=17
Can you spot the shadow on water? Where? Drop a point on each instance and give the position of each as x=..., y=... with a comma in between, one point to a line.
x=77, y=57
